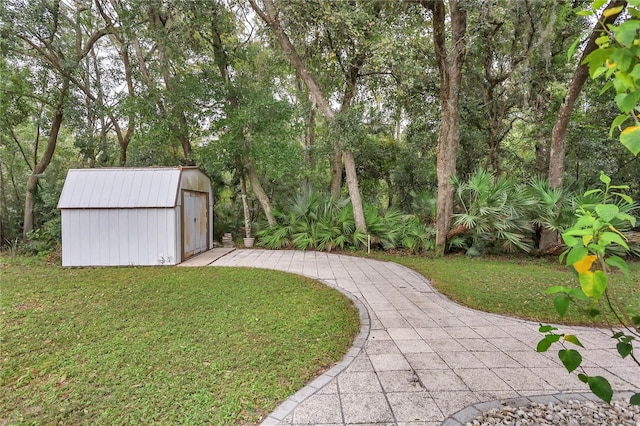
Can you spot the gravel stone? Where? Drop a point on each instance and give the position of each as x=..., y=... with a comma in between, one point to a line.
x=570, y=413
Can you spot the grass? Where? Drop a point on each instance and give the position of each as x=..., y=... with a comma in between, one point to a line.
x=161, y=344
x=513, y=286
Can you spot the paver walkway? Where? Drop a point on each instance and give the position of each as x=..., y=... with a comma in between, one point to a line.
x=423, y=357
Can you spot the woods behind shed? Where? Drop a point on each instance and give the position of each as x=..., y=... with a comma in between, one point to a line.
x=142, y=216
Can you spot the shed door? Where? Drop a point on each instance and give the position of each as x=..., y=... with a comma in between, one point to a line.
x=195, y=226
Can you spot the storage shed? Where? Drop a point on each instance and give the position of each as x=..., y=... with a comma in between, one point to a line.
x=127, y=216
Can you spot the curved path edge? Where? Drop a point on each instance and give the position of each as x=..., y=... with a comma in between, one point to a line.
x=291, y=403
x=421, y=359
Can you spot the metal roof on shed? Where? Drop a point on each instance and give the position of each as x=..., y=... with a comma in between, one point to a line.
x=120, y=188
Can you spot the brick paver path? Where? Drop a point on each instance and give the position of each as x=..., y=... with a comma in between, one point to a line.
x=423, y=357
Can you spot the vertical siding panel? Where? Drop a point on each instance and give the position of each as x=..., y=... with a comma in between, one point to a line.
x=173, y=234
x=154, y=250
x=93, y=237
x=69, y=238
x=142, y=236
x=97, y=234
x=66, y=237
x=123, y=231
x=76, y=238
x=112, y=237
x=161, y=231
x=132, y=236
x=83, y=240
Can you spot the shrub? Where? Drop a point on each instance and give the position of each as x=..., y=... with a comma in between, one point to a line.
x=494, y=214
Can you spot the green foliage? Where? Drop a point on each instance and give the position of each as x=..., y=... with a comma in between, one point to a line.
x=618, y=60
x=418, y=237
x=311, y=220
x=554, y=207
x=315, y=220
x=495, y=213
x=423, y=205
x=589, y=242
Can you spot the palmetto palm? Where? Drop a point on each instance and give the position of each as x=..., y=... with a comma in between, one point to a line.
x=494, y=212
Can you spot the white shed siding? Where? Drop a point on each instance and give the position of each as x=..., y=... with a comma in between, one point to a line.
x=110, y=237
x=130, y=216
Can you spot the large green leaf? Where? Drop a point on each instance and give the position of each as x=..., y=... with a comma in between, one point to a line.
x=635, y=399
x=601, y=388
x=607, y=211
x=618, y=262
x=561, y=303
x=572, y=338
x=547, y=341
x=630, y=138
x=570, y=240
x=593, y=283
x=626, y=32
x=624, y=349
x=570, y=358
x=577, y=254
x=546, y=328
x=612, y=237
x=627, y=101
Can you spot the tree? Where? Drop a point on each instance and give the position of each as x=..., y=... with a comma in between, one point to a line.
x=580, y=76
x=559, y=132
x=270, y=15
x=450, y=59
x=51, y=35
x=507, y=41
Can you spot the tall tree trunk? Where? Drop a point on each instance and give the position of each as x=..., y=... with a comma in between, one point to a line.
x=450, y=69
x=41, y=166
x=270, y=16
x=580, y=76
x=245, y=204
x=310, y=136
x=4, y=212
x=559, y=132
x=181, y=128
x=222, y=61
x=336, y=171
x=258, y=191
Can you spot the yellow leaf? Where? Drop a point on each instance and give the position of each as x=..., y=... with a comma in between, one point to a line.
x=630, y=129
x=612, y=11
x=586, y=239
x=584, y=265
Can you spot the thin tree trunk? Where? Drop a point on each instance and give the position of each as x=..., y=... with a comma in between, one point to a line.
x=352, y=183
x=336, y=171
x=580, y=76
x=559, y=132
x=270, y=16
x=258, y=191
x=542, y=156
x=245, y=204
x=4, y=212
x=182, y=127
x=222, y=61
x=41, y=166
x=310, y=136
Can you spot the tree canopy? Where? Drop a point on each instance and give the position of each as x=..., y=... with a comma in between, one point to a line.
x=387, y=104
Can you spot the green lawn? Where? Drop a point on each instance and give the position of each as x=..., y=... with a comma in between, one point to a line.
x=512, y=286
x=161, y=344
